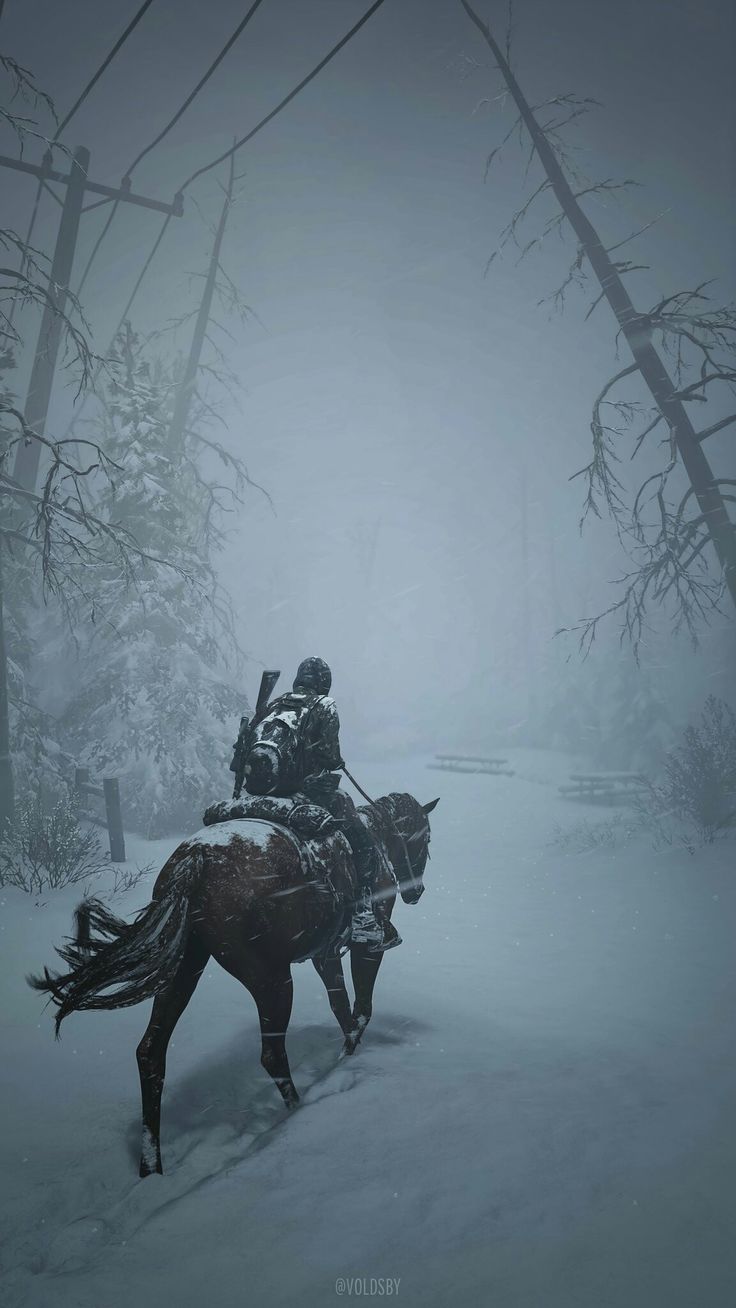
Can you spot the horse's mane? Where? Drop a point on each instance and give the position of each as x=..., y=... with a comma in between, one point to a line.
x=398, y=810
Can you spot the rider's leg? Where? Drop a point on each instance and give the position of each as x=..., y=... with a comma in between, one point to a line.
x=365, y=855
x=367, y=864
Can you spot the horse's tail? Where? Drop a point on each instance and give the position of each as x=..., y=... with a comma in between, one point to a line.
x=124, y=962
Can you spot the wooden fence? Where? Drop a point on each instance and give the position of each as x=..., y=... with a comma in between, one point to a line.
x=492, y=767
x=113, y=819
x=604, y=787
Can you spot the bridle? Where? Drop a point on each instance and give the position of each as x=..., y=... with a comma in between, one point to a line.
x=413, y=882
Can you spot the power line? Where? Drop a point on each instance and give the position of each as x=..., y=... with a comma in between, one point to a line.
x=142, y=273
x=141, y=277
x=172, y=122
x=228, y=154
x=105, y=64
x=215, y=64
x=96, y=247
x=77, y=184
x=249, y=135
x=287, y=99
x=77, y=104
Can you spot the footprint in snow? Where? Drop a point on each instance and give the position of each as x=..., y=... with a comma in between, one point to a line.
x=75, y=1245
x=339, y=1080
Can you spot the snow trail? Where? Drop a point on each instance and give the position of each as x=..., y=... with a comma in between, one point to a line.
x=539, y=1111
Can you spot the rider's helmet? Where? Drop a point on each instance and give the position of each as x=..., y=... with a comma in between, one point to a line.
x=313, y=674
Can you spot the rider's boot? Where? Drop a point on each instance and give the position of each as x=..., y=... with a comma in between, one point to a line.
x=391, y=937
x=367, y=863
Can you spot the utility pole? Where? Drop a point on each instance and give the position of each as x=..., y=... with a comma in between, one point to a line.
x=186, y=389
x=28, y=454
x=7, y=790
x=554, y=591
x=525, y=599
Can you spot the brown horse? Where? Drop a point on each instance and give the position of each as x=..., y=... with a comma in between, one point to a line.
x=250, y=895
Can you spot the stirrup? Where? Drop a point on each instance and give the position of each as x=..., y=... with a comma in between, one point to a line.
x=364, y=929
x=391, y=938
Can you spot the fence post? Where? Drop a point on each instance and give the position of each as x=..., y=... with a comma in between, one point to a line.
x=111, y=789
x=81, y=779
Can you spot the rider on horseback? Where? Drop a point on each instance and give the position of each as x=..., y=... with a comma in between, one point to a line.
x=317, y=775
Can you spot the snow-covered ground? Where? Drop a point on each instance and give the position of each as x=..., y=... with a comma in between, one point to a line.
x=541, y=1115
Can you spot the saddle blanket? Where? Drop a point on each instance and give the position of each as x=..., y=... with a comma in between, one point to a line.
x=308, y=822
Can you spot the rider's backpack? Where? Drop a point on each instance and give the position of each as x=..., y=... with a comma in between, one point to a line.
x=274, y=755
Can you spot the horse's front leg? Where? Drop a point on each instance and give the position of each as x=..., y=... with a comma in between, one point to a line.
x=333, y=979
x=364, y=965
x=168, y=1007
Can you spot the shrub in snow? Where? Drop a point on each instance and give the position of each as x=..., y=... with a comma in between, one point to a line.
x=127, y=878
x=634, y=723
x=699, y=782
x=584, y=837
x=48, y=849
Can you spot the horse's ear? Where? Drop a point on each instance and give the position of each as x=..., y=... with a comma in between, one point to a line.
x=427, y=808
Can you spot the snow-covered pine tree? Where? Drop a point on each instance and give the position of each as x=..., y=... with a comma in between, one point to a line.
x=156, y=701
x=568, y=712
x=635, y=724
x=608, y=708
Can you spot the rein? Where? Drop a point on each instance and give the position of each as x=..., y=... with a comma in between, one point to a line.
x=385, y=817
x=359, y=788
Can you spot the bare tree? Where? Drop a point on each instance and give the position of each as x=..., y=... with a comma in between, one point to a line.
x=665, y=540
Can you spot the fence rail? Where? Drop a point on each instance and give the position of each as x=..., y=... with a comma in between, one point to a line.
x=492, y=767
x=109, y=791
x=604, y=787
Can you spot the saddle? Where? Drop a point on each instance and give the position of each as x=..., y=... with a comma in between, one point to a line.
x=307, y=821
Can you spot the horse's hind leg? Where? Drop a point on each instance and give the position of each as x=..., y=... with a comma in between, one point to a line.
x=333, y=979
x=364, y=965
x=272, y=988
x=168, y=1007
x=273, y=995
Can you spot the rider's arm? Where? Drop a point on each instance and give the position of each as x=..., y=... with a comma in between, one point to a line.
x=326, y=747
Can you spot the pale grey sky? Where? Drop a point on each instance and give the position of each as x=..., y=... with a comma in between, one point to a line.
x=394, y=398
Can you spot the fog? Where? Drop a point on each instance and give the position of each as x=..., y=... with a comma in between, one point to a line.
x=534, y=1109
x=402, y=408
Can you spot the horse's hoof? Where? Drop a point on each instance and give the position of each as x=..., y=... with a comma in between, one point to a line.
x=355, y=1036
x=352, y=1040
x=289, y=1094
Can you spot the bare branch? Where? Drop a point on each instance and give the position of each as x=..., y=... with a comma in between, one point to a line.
x=717, y=426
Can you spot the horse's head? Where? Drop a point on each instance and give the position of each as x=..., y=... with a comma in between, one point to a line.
x=406, y=835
